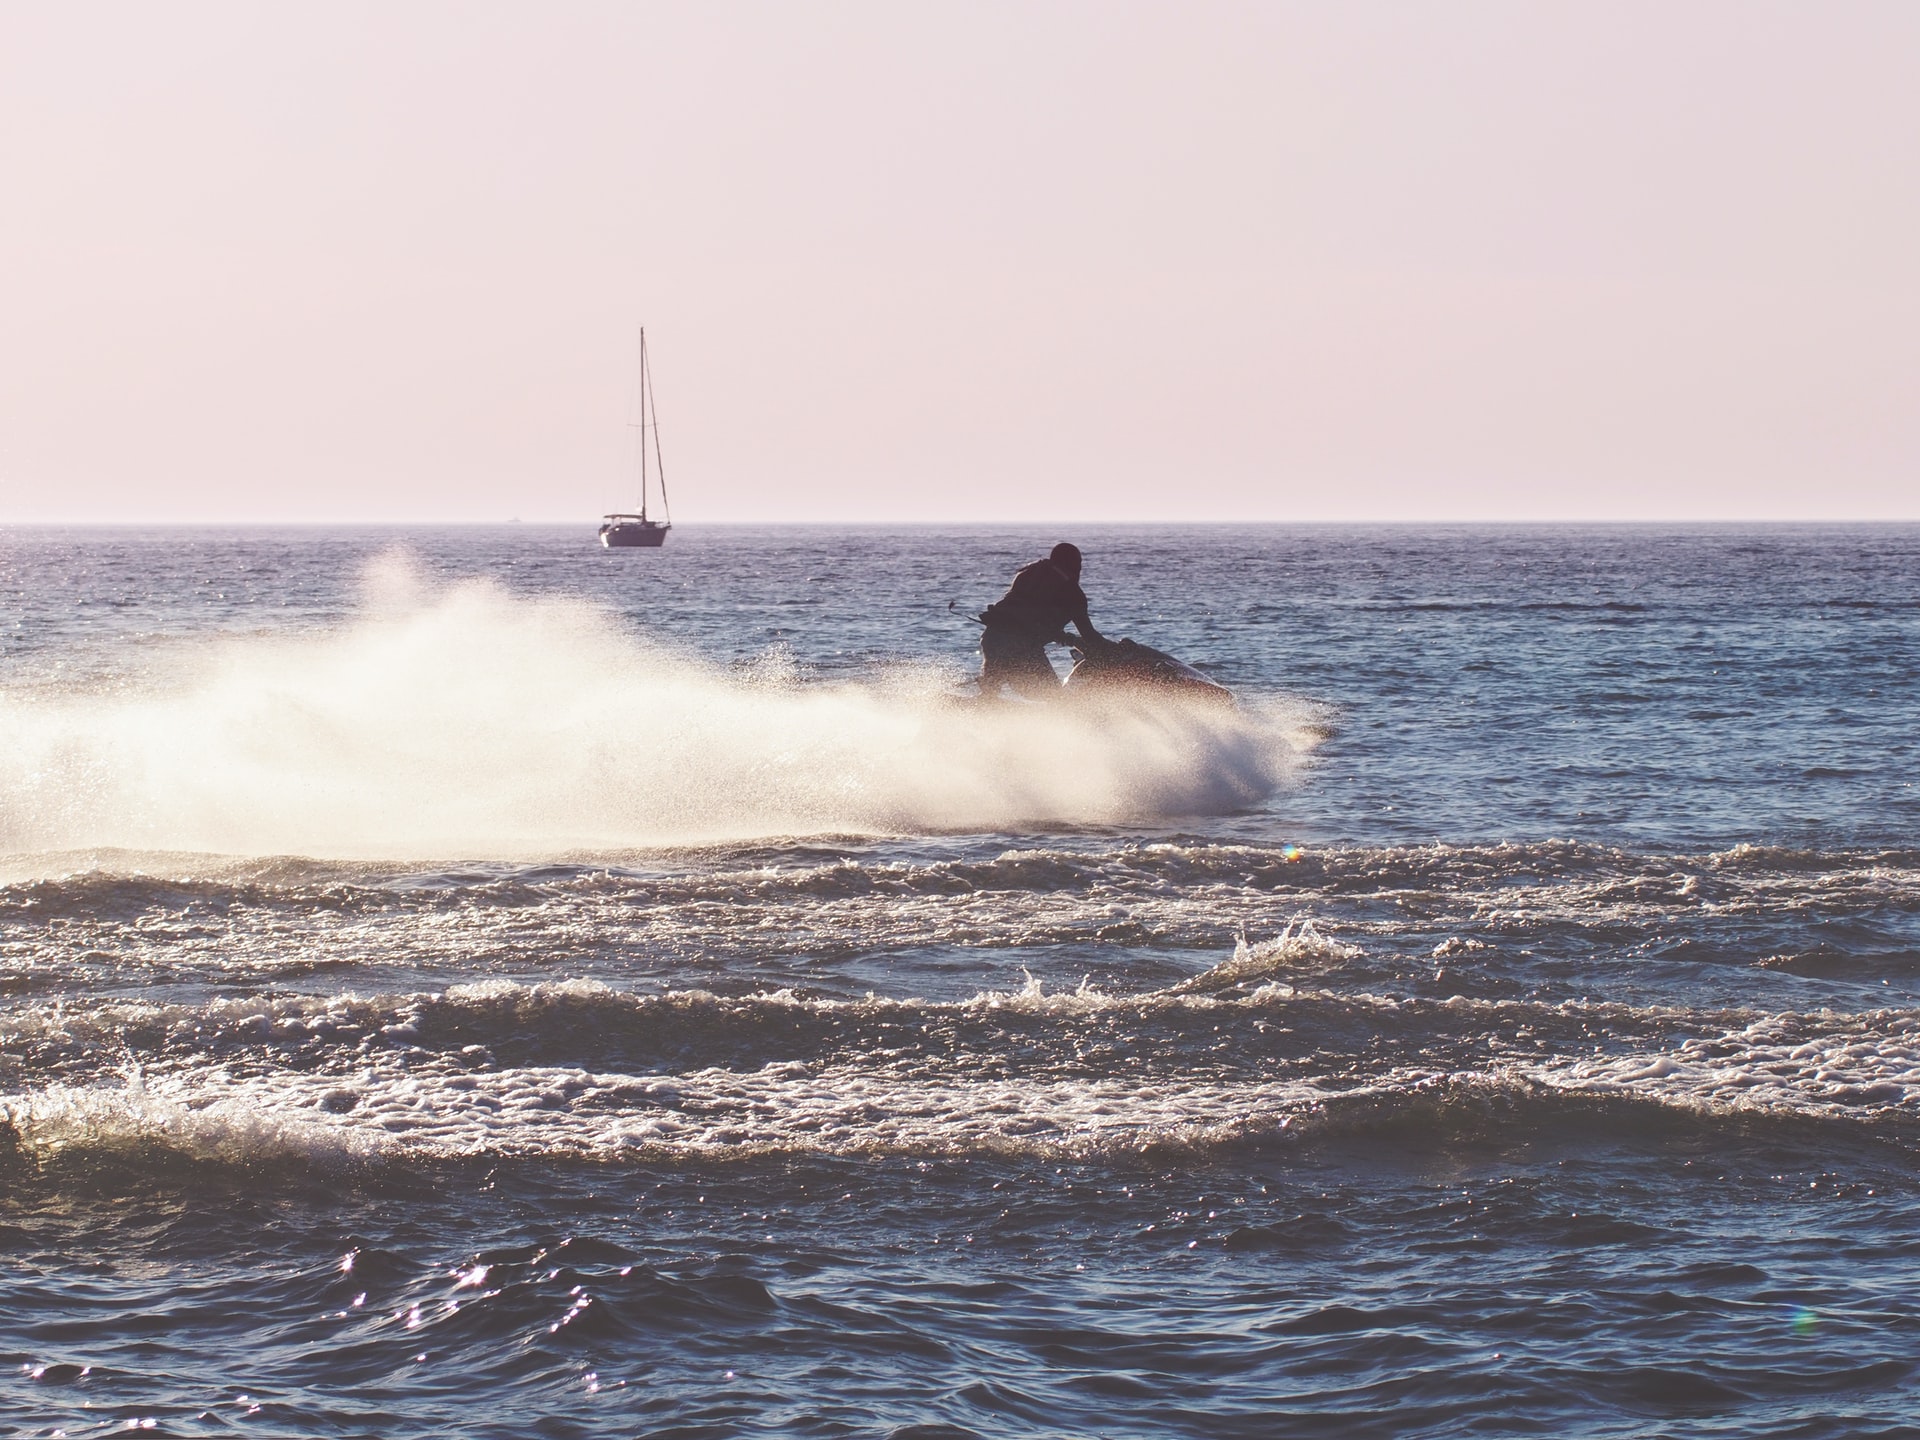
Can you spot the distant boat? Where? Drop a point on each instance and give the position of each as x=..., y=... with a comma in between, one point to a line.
x=623, y=532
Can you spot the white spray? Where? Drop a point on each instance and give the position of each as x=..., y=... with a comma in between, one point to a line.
x=469, y=722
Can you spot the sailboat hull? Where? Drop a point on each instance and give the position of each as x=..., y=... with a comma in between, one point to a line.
x=624, y=533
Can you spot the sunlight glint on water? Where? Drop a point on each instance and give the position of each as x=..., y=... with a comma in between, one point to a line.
x=474, y=974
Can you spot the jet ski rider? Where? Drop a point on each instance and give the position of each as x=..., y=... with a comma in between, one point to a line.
x=1034, y=613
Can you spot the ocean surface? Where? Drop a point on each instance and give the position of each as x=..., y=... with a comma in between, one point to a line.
x=466, y=982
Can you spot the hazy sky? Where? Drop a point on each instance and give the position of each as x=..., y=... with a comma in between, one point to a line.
x=968, y=261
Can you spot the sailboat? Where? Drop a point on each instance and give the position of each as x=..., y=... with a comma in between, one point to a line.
x=622, y=532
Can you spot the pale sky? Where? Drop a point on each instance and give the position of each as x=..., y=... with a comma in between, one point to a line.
x=1099, y=260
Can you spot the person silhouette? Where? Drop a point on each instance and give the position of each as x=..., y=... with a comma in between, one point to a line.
x=1044, y=598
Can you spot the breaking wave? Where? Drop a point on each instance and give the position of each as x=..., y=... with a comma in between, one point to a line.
x=583, y=1072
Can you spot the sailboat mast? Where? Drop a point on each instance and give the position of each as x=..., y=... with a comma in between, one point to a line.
x=659, y=464
x=643, y=424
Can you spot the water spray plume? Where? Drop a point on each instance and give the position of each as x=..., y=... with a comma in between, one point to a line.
x=467, y=721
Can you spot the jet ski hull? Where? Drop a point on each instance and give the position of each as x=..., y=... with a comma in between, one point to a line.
x=1126, y=669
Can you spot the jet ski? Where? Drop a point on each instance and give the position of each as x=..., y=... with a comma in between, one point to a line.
x=1126, y=669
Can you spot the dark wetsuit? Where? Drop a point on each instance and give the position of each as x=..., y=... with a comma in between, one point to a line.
x=1037, y=607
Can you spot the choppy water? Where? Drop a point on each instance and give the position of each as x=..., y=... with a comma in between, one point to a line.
x=470, y=982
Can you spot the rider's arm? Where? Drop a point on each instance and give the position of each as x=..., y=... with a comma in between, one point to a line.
x=1082, y=623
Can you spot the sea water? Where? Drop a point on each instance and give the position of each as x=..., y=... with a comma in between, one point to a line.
x=463, y=981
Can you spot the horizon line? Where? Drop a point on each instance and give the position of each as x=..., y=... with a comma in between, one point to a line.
x=369, y=523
